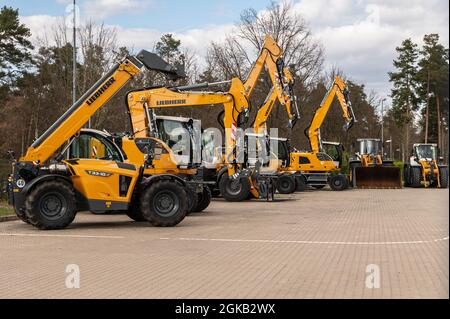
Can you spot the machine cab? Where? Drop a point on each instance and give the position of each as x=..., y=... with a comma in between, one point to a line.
x=369, y=146
x=427, y=152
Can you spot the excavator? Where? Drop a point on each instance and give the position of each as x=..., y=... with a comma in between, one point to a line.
x=232, y=187
x=370, y=170
x=315, y=168
x=48, y=188
x=424, y=168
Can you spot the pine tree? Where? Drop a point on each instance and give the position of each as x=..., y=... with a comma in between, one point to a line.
x=405, y=99
x=14, y=47
x=433, y=77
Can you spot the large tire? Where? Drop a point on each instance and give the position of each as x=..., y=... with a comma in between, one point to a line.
x=192, y=200
x=416, y=176
x=234, y=191
x=135, y=212
x=443, y=177
x=203, y=200
x=164, y=203
x=22, y=216
x=338, y=182
x=51, y=205
x=286, y=184
x=406, y=177
x=300, y=184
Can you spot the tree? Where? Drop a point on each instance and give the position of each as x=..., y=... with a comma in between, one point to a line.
x=433, y=77
x=14, y=48
x=404, y=94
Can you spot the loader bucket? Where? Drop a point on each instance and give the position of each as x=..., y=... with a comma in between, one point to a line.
x=378, y=177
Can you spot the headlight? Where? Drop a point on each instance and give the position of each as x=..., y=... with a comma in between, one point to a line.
x=20, y=183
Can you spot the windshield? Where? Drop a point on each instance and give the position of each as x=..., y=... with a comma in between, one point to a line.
x=426, y=151
x=368, y=147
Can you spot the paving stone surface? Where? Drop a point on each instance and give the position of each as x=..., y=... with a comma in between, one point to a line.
x=317, y=244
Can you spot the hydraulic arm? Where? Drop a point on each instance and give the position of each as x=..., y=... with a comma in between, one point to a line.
x=339, y=89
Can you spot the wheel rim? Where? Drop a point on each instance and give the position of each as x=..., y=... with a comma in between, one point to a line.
x=53, y=205
x=285, y=184
x=234, y=187
x=166, y=203
x=337, y=182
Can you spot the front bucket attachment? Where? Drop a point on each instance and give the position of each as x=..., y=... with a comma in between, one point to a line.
x=378, y=177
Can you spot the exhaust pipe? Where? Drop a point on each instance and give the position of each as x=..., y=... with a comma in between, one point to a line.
x=378, y=177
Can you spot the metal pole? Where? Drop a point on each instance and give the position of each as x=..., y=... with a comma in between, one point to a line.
x=382, y=129
x=74, y=62
x=390, y=147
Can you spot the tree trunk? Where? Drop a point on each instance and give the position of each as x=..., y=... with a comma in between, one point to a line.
x=438, y=109
x=426, y=109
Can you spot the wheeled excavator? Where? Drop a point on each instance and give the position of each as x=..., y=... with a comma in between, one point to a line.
x=370, y=170
x=232, y=187
x=47, y=188
x=424, y=168
x=315, y=168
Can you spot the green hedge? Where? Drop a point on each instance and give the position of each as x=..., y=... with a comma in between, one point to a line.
x=400, y=165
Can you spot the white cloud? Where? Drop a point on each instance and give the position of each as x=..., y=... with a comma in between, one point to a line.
x=41, y=26
x=100, y=9
x=359, y=36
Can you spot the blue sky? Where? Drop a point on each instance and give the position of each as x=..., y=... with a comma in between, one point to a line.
x=167, y=15
x=358, y=36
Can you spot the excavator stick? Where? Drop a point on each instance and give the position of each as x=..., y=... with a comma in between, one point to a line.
x=378, y=177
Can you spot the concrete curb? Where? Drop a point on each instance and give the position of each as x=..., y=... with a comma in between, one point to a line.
x=8, y=218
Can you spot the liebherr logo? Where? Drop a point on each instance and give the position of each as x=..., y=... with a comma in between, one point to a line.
x=169, y=102
x=100, y=91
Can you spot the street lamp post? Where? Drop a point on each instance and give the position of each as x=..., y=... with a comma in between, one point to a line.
x=390, y=146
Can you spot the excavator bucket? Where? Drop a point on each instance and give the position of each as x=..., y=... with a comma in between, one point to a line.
x=378, y=177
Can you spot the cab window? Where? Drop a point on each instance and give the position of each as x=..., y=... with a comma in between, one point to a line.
x=87, y=146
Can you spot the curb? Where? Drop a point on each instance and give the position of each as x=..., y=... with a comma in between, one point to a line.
x=8, y=218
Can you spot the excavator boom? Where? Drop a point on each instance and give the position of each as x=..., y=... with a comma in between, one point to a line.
x=339, y=89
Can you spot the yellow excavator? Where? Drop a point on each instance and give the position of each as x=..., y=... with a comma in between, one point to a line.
x=232, y=187
x=370, y=170
x=315, y=168
x=48, y=188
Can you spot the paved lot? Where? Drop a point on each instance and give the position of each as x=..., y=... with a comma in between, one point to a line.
x=309, y=245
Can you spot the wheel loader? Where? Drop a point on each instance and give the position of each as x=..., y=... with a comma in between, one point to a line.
x=370, y=170
x=424, y=168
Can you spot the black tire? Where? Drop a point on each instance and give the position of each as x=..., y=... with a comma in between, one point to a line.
x=416, y=176
x=285, y=184
x=22, y=216
x=443, y=177
x=233, y=190
x=51, y=205
x=135, y=212
x=203, y=200
x=300, y=184
x=338, y=182
x=164, y=203
x=318, y=186
x=192, y=200
x=406, y=173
